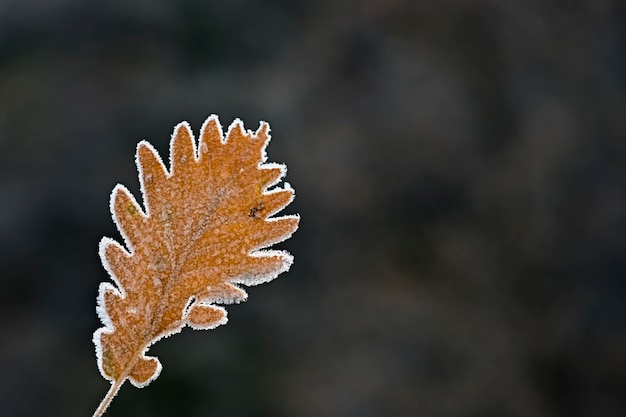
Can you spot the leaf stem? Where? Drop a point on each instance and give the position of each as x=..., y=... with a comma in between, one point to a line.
x=104, y=404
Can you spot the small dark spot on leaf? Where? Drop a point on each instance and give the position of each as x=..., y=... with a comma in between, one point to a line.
x=254, y=211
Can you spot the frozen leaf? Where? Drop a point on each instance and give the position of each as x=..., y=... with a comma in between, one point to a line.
x=200, y=232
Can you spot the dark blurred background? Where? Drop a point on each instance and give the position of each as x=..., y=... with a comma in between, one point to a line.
x=460, y=169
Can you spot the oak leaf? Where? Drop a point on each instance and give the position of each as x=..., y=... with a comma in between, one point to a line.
x=201, y=231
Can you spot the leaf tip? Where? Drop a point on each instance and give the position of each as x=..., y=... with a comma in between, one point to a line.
x=146, y=370
x=103, y=289
x=205, y=316
x=211, y=131
x=235, y=128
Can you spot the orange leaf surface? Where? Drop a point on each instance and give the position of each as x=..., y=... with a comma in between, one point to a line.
x=201, y=231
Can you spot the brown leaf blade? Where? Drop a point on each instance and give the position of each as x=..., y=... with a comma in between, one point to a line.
x=202, y=231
